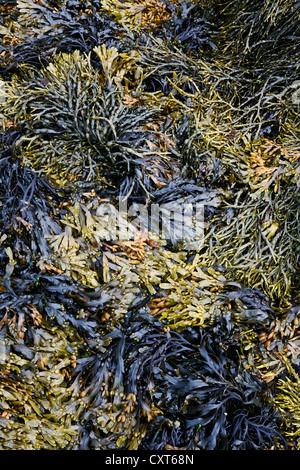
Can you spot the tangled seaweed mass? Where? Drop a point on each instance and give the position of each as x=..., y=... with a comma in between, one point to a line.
x=146, y=342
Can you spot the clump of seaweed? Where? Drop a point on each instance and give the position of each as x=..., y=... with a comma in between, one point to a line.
x=262, y=237
x=186, y=388
x=118, y=329
x=35, y=403
x=35, y=32
x=141, y=14
x=75, y=126
x=187, y=294
x=287, y=401
x=256, y=31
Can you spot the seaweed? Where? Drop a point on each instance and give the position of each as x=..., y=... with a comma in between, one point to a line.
x=245, y=37
x=259, y=225
x=287, y=401
x=120, y=328
x=103, y=137
x=192, y=386
x=38, y=31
